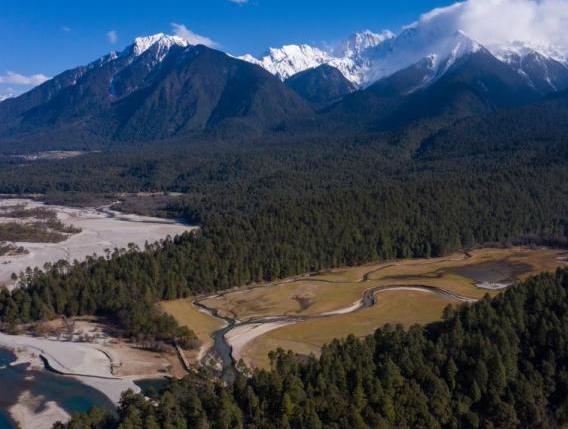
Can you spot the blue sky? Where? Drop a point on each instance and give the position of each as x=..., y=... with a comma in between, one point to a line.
x=40, y=37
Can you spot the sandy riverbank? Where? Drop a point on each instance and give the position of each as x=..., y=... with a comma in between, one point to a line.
x=107, y=364
x=101, y=230
x=31, y=413
x=240, y=336
x=86, y=362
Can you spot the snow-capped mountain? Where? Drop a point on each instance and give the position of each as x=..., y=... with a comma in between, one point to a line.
x=414, y=45
x=367, y=57
x=508, y=52
x=119, y=73
x=348, y=57
x=545, y=68
x=158, y=87
x=358, y=43
x=290, y=59
x=437, y=39
x=159, y=43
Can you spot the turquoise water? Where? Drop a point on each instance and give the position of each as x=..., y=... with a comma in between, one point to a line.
x=5, y=422
x=68, y=393
x=152, y=386
x=5, y=401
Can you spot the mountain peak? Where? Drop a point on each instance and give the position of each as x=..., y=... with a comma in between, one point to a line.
x=359, y=42
x=519, y=50
x=160, y=40
x=290, y=59
x=286, y=51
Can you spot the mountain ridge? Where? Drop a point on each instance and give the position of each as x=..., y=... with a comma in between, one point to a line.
x=160, y=91
x=157, y=87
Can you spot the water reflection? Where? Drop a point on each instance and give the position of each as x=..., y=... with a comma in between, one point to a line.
x=68, y=393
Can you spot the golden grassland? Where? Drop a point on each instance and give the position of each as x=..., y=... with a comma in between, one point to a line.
x=338, y=289
x=400, y=307
x=305, y=297
x=341, y=288
x=188, y=315
x=395, y=307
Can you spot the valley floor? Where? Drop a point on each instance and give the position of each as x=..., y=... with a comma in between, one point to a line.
x=101, y=230
x=302, y=314
x=104, y=363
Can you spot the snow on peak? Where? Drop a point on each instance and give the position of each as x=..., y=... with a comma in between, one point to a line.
x=416, y=42
x=515, y=51
x=161, y=42
x=357, y=43
x=290, y=59
x=366, y=57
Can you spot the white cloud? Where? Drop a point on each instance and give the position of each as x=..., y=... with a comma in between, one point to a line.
x=239, y=1
x=540, y=22
x=4, y=95
x=19, y=79
x=66, y=29
x=182, y=31
x=112, y=36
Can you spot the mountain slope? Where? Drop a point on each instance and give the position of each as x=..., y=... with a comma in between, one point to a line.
x=320, y=86
x=478, y=83
x=474, y=84
x=155, y=89
x=200, y=89
x=546, y=71
x=539, y=127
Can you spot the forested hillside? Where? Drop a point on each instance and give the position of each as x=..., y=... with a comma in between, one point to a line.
x=499, y=363
x=279, y=209
x=279, y=206
x=445, y=137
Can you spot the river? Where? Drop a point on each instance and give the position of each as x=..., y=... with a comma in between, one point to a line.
x=102, y=229
x=230, y=333
x=69, y=394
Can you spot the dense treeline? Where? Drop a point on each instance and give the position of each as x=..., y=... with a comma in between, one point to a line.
x=273, y=211
x=499, y=363
x=344, y=227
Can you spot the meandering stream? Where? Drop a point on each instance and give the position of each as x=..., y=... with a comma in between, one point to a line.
x=224, y=351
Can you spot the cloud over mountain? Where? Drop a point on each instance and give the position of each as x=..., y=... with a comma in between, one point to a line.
x=182, y=31
x=112, y=37
x=19, y=79
x=491, y=22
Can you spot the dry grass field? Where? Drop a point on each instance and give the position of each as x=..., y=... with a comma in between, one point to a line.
x=404, y=307
x=305, y=297
x=188, y=315
x=339, y=289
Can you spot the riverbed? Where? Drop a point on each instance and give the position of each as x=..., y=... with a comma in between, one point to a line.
x=271, y=312
x=38, y=398
x=102, y=230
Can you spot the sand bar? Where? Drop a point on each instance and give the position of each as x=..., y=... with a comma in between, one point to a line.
x=240, y=336
x=101, y=229
x=84, y=361
x=26, y=412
